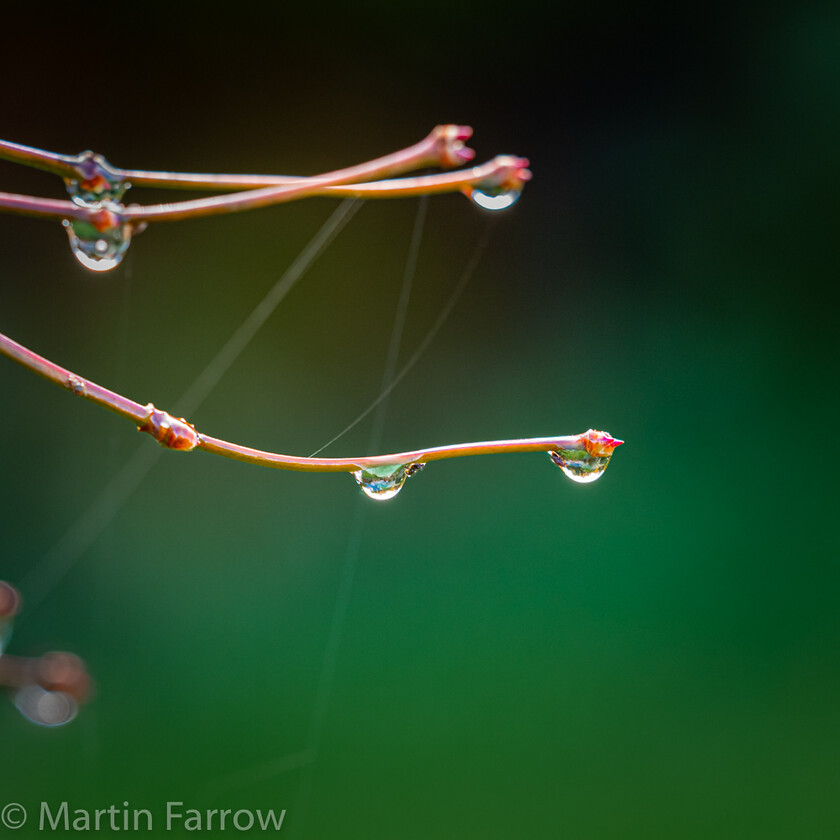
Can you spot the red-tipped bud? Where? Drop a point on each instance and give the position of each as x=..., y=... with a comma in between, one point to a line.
x=512, y=173
x=448, y=146
x=599, y=444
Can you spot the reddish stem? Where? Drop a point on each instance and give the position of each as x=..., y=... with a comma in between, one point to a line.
x=504, y=170
x=178, y=434
x=443, y=146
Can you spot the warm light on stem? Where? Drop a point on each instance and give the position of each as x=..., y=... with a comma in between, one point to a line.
x=503, y=167
x=180, y=435
x=444, y=146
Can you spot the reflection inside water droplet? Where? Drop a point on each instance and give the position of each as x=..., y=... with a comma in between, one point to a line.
x=98, y=250
x=579, y=465
x=384, y=482
x=491, y=198
x=46, y=708
x=97, y=181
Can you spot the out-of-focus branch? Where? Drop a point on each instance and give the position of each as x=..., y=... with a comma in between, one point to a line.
x=46, y=689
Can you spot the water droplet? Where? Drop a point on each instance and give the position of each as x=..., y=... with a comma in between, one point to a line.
x=579, y=465
x=494, y=198
x=97, y=181
x=46, y=708
x=99, y=250
x=384, y=482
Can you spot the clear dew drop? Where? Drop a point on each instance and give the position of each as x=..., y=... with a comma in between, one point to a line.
x=579, y=465
x=97, y=250
x=97, y=181
x=494, y=198
x=383, y=483
x=46, y=708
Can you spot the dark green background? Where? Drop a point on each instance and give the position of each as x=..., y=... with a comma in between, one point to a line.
x=652, y=656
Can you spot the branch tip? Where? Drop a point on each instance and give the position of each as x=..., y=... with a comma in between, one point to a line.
x=448, y=145
x=599, y=444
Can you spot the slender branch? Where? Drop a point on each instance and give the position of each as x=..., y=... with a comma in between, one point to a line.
x=178, y=434
x=63, y=165
x=503, y=172
x=76, y=384
x=42, y=208
x=52, y=671
x=437, y=453
x=444, y=146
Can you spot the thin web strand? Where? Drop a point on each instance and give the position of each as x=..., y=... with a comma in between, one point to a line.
x=481, y=247
x=329, y=663
x=207, y=380
x=399, y=320
x=305, y=759
x=63, y=555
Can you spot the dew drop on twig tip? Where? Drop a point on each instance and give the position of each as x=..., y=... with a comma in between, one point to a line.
x=586, y=462
x=496, y=198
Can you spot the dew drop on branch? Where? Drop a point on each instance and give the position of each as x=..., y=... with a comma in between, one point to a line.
x=97, y=181
x=46, y=708
x=494, y=198
x=98, y=250
x=384, y=482
x=579, y=465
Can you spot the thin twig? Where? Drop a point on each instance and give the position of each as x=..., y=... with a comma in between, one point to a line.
x=62, y=165
x=52, y=671
x=503, y=172
x=178, y=434
x=444, y=146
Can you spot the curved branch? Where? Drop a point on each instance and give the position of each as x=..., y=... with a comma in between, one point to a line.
x=178, y=434
x=503, y=172
x=443, y=146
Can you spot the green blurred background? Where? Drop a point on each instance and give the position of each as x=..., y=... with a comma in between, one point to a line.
x=652, y=656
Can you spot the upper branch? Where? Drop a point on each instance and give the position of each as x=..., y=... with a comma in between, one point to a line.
x=443, y=146
x=504, y=172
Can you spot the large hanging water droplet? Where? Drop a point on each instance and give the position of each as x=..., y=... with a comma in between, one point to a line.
x=46, y=708
x=384, y=482
x=579, y=465
x=99, y=247
x=587, y=461
x=494, y=198
x=97, y=181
